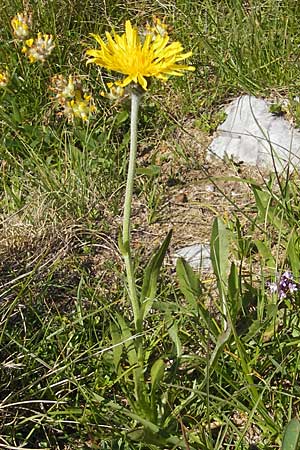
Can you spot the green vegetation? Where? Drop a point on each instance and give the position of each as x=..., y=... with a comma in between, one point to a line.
x=221, y=358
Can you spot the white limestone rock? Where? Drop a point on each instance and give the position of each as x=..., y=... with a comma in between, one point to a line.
x=197, y=255
x=251, y=134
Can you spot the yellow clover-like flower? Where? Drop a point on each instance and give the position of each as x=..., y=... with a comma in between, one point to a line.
x=4, y=79
x=81, y=107
x=115, y=92
x=21, y=24
x=40, y=48
x=139, y=60
x=71, y=98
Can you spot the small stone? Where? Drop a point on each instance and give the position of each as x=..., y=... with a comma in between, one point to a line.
x=181, y=198
x=210, y=188
x=197, y=255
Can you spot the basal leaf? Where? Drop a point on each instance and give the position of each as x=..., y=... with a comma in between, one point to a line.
x=151, y=274
x=291, y=437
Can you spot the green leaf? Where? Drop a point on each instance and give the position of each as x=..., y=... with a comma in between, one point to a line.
x=146, y=423
x=173, y=333
x=157, y=373
x=16, y=116
x=233, y=292
x=267, y=212
x=272, y=321
x=265, y=253
x=254, y=329
x=263, y=199
x=150, y=171
x=291, y=437
x=123, y=246
x=117, y=346
x=189, y=283
x=219, y=253
x=128, y=340
x=222, y=339
x=151, y=274
x=190, y=286
x=121, y=117
x=219, y=248
x=292, y=253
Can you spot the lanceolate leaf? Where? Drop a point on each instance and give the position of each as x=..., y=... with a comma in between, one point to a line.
x=151, y=274
x=157, y=372
x=265, y=253
x=173, y=333
x=189, y=283
x=292, y=252
x=190, y=287
x=219, y=253
x=128, y=339
x=291, y=437
x=219, y=247
x=266, y=212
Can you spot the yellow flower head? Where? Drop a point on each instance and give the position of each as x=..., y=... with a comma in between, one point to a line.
x=139, y=60
x=4, y=79
x=21, y=24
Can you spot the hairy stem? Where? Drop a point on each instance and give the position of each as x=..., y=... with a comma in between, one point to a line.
x=135, y=101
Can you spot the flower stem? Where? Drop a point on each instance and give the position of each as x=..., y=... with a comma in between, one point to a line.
x=135, y=101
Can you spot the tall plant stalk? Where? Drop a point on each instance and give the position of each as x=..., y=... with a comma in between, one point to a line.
x=129, y=266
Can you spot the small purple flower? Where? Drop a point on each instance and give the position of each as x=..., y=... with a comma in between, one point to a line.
x=284, y=287
x=272, y=287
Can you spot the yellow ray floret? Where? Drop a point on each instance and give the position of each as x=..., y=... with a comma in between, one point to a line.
x=127, y=54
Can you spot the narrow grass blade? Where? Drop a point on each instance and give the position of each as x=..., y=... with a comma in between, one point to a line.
x=292, y=252
x=117, y=347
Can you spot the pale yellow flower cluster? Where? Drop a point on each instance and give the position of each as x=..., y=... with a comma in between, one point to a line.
x=158, y=28
x=21, y=25
x=40, y=48
x=115, y=93
x=4, y=79
x=36, y=49
x=72, y=98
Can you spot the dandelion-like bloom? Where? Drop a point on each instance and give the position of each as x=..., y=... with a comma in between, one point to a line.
x=40, y=48
x=139, y=60
x=21, y=24
x=4, y=79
